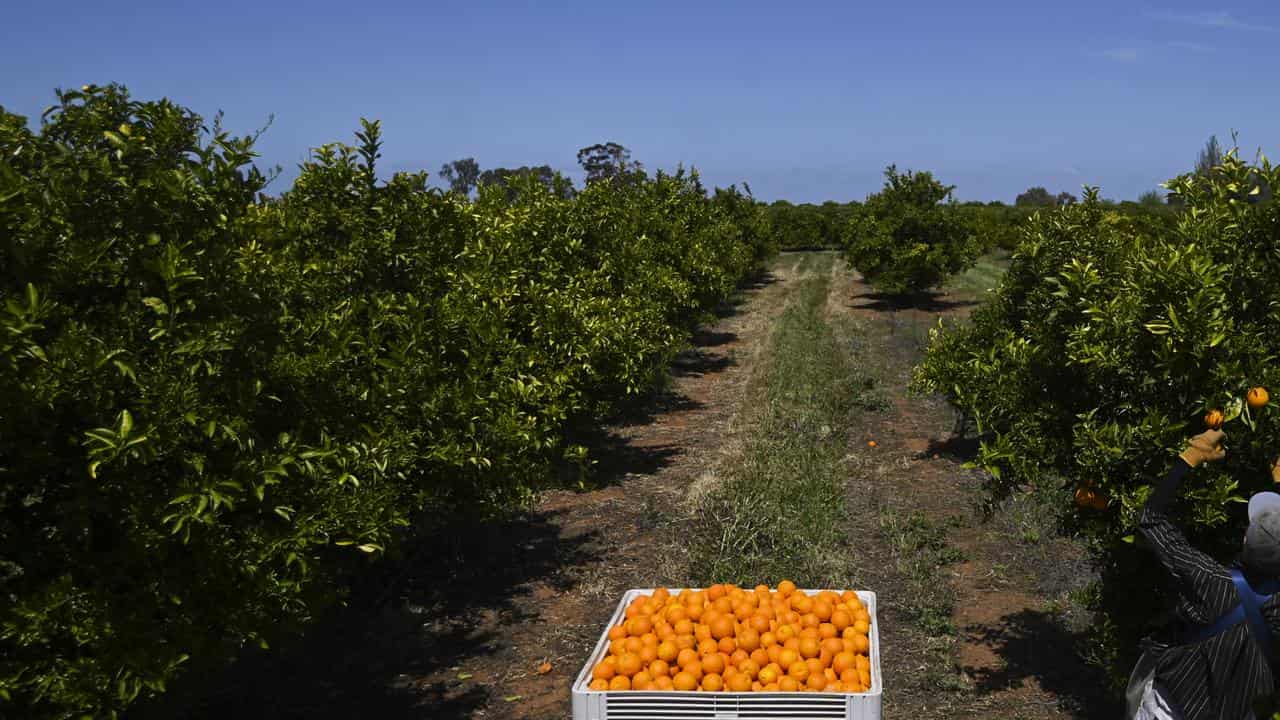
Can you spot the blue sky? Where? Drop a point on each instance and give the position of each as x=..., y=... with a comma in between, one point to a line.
x=807, y=101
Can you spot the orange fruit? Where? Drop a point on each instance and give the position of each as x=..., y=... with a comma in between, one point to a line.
x=629, y=664
x=748, y=639
x=815, y=666
x=798, y=670
x=871, y=443
x=639, y=625
x=684, y=642
x=786, y=683
x=617, y=632
x=658, y=668
x=833, y=645
x=1214, y=419
x=604, y=671
x=760, y=657
x=809, y=647
x=862, y=627
x=786, y=587
x=675, y=614
x=758, y=622
x=667, y=650
x=810, y=620
x=739, y=683
x=694, y=612
x=841, y=619
x=713, y=664
x=842, y=662
x=743, y=612
x=801, y=603
x=617, y=647
x=823, y=610
x=788, y=657
x=827, y=631
x=768, y=674
x=723, y=605
x=739, y=656
x=599, y=684
x=686, y=656
x=816, y=682
x=632, y=644
x=722, y=627
x=750, y=668
x=642, y=681
x=662, y=682
x=684, y=681
x=648, y=654
x=702, y=632
x=728, y=645
x=708, y=647
x=712, y=682
x=767, y=638
x=620, y=682
x=1257, y=397
x=861, y=644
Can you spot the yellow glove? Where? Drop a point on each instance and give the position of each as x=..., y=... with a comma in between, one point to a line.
x=1207, y=447
x=1275, y=471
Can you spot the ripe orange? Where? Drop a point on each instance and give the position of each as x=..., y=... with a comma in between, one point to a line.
x=809, y=647
x=684, y=681
x=786, y=587
x=648, y=654
x=739, y=683
x=817, y=682
x=617, y=632
x=786, y=683
x=629, y=664
x=801, y=603
x=1257, y=397
x=686, y=656
x=712, y=682
x=620, y=682
x=861, y=643
x=842, y=662
x=750, y=668
x=728, y=645
x=748, y=639
x=1214, y=419
x=663, y=682
x=823, y=610
x=722, y=627
x=713, y=664
x=871, y=443
x=739, y=656
x=799, y=671
x=760, y=657
x=715, y=592
x=826, y=631
x=788, y=657
x=760, y=623
x=642, y=681
x=604, y=671
x=833, y=645
x=667, y=650
x=659, y=668
x=841, y=619
x=599, y=684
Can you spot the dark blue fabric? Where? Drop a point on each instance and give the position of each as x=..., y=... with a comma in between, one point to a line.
x=1249, y=610
x=1252, y=602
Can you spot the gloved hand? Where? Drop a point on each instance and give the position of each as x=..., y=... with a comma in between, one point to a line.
x=1207, y=447
x=1275, y=471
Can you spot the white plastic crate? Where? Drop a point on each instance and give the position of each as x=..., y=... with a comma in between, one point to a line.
x=667, y=705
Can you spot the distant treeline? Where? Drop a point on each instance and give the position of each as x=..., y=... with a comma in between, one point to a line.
x=807, y=226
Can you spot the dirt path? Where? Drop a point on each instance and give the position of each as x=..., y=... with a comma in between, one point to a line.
x=972, y=612
x=1009, y=649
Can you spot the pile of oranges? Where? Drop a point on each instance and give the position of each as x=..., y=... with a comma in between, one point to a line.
x=727, y=639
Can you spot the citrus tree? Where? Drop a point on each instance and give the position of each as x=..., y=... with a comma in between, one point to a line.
x=906, y=239
x=1108, y=341
x=216, y=406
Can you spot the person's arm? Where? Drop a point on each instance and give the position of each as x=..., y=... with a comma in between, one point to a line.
x=1201, y=579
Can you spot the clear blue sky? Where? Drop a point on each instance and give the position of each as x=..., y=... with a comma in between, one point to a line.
x=807, y=101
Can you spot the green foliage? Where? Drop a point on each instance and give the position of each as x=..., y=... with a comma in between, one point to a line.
x=215, y=406
x=809, y=227
x=905, y=240
x=1108, y=339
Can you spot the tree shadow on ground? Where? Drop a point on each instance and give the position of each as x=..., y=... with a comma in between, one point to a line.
x=1033, y=644
x=956, y=447
x=417, y=614
x=933, y=302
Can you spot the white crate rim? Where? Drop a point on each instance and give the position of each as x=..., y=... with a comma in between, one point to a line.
x=580, y=686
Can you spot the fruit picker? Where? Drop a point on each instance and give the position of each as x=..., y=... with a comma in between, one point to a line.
x=1222, y=666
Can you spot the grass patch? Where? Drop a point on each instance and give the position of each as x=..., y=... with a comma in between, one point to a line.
x=920, y=550
x=779, y=512
x=983, y=276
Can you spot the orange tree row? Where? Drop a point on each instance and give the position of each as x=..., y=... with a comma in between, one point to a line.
x=212, y=402
x=1109, y=338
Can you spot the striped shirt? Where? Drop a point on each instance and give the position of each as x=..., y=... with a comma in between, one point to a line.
x=1222, y=676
